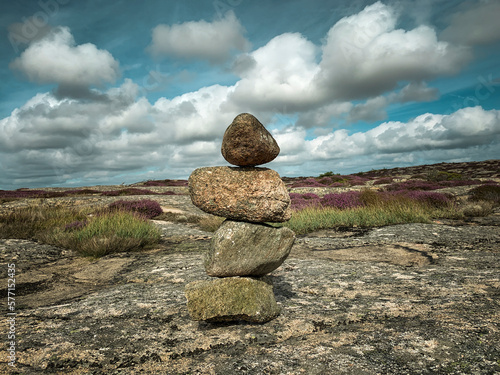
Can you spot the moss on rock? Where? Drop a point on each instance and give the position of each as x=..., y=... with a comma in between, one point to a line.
x=232, y=298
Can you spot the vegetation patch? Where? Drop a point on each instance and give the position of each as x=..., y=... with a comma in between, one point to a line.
x=487, y=192
x=145, y=207
x=88, y=233
x=113, y=232
x=368, y=208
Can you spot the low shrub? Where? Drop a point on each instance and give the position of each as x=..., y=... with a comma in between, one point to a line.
x=128, y=191
x=383, y=181
x=413, y=185
x=82, y=192
x=437, y=176
x=349, y=199
x=433, y=199
x=307, y=182
x=477, y=208
x=300, y=201
x=145, y=207
x=166, y=183
x=30, y=194
x=487, y=192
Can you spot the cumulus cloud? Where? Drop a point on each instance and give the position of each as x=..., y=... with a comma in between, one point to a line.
x=476, y=25
x=465, y=128
x=60, y=139
x=79, y=133
x=212, y=41
x=372, y=110
x=365, y=55
x=415, y=92
x=279, y=74
x=57, y=59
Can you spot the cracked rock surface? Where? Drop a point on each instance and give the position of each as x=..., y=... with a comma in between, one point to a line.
x=403, y=299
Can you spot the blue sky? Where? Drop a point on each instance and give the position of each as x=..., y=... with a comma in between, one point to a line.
x=105, y=92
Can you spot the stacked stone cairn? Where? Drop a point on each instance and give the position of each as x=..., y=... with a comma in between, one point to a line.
x=244, y=249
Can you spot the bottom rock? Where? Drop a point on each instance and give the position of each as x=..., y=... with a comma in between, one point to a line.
x=232, y=298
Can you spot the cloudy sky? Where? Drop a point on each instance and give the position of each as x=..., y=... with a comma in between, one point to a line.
x=105, y=92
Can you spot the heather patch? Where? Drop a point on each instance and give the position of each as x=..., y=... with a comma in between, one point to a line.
x=166, y=182
x=9, y=194
x=301, y=201
x=433, y=199
x=146, y=207
x=128, y=191
x=413, y=185
x=342, y=201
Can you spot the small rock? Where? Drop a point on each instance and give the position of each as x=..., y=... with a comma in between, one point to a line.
x=230, y=299
x=240, y=193
x=245, y=249
x=246, y=142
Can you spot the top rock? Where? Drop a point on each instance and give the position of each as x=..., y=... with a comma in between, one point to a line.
x=246, y=142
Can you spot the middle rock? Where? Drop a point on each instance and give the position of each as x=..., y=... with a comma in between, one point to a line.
x=241, y=193
x=245, y=249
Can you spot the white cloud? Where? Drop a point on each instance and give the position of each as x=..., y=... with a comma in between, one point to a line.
x=56, y=59
x=212, y=41
x=364, y=55
x=372, y=110
x=194, y=116
x=280, y=75
x=476, y=25
x=415, y=92
x=465, y=128
x=95, y=136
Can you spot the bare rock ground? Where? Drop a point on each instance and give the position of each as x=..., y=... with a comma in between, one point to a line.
x=403, y=299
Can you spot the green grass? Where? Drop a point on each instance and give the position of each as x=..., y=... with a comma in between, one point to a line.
x=398, y=211
x=102, y=234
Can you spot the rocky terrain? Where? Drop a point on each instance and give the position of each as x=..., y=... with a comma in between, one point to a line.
x=401, y=299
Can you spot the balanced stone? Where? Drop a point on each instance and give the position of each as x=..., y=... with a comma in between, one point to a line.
x=246, y=142
x=240, y=193
x=245, y=249
x=232, y=298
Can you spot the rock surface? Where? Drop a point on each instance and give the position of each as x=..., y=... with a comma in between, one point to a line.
x=414, y=298
x=246, y=142
x=247, y=194
x=245, y=249
x=232, y=298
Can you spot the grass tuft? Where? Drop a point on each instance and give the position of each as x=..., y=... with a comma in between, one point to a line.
x=90, y=235
x=374, y=209
x=113, y=232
